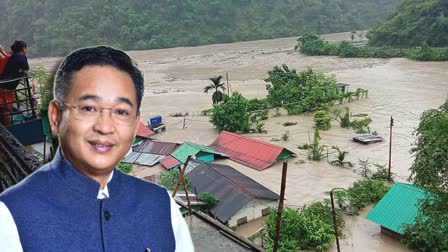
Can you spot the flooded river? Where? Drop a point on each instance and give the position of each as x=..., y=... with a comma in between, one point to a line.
x=399, y=87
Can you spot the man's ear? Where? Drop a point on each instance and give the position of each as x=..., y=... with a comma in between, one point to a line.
x=137, y=120
x=54, y=116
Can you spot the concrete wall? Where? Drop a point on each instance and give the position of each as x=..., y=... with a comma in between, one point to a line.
x=251, y=211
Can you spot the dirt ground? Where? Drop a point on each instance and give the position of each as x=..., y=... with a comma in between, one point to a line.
x=174, y=82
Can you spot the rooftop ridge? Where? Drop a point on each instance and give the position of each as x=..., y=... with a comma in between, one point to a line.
x=253, y=139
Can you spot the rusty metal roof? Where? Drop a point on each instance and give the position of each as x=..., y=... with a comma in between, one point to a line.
x=233, y=189
x=156, y=147
x=169, y=162
x=144, y=131
x=248, y=151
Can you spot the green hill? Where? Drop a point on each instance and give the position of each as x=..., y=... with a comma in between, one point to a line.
x=414, y=22
x=55, y=27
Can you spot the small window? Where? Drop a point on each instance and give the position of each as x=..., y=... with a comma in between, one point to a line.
x=241, y=221
x=265, y=211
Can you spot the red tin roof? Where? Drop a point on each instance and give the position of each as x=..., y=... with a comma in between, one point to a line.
x=248, y=151
x=169, y=162
x=144, y=131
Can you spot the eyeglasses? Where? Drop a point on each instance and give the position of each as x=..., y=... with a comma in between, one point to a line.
x=89, y=112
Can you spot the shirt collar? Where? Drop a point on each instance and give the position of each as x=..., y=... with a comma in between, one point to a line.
x=104, y=194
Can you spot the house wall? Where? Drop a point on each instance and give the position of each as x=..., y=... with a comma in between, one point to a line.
x=390, y=233
x=251, y=211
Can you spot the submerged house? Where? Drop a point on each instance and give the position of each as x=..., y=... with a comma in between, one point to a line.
x=399, y=206
x=249, y=151
x=196, y=151
x=241, y=199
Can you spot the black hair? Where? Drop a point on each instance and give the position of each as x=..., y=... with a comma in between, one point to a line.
x=96, y=56
x=18, y=46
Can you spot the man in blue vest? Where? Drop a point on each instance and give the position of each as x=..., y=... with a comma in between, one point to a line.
x=80, y=201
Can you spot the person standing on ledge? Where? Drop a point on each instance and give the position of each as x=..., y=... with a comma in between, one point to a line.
x=80, y=201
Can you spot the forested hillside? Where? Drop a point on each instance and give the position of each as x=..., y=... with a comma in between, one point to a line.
x=54, y=27
x=414, y=22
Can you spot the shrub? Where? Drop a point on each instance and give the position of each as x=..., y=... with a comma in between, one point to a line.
x=169, y=179
x=362, y=125
x=316, y=151
x=322, y=120
x=231, y=114
x=124, y=167
x=307, y=228
x=209, y=198
x=361, y=194
x=340, y=159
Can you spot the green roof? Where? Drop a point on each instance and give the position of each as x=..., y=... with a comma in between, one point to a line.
x=189, y=149
x=397, y=207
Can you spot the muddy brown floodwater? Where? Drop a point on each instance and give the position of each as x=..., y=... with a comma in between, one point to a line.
x=174, y=81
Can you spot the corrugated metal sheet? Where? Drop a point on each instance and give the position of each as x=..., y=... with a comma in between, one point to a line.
x=233, y=189
x=143, y=158
x=156, y=147
x=190, y=149
x=144, y=131
x=131, y=157
x=248, y=151
x=397, y=207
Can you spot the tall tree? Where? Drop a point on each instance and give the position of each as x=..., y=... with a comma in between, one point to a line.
x=430, y=169
x=216, y=85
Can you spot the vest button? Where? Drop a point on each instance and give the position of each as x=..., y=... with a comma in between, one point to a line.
x=107, y=215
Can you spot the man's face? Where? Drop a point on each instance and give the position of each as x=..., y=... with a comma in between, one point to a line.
x=95, y=146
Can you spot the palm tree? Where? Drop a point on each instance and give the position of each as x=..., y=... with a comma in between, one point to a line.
x=216, y=85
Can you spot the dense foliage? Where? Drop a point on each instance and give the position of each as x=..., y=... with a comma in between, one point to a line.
x=44, y=82
x=231, y=114
x=169, y=179
x=124, y=167
x=57, y=27
x=209, y=198
x=322, y=120
x=301, y=92
x=430, y=169
x=312, y=44
x=238, y=114
x=413, y=23
x=310, y=227
x=360, y=195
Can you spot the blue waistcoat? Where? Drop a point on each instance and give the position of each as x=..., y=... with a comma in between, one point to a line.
x=56, y=209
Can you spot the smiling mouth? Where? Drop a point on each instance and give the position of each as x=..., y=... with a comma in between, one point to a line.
x=101, y=147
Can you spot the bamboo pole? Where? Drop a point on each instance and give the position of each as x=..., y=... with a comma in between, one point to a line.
x=335, y=225
x=390, y=148
x=280, y=206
